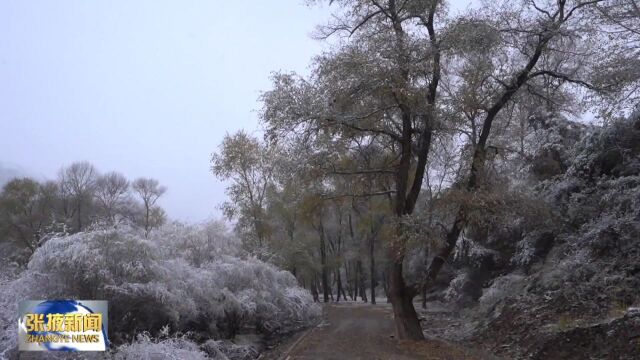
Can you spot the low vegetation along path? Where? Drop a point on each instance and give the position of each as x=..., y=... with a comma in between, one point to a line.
x=362, y=331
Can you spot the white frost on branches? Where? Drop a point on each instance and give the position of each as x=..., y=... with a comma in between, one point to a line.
x=180, y=276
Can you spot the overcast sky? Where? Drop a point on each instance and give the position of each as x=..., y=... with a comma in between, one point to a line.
x=144, y=87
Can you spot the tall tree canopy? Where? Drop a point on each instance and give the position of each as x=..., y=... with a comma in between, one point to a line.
x=411, y=80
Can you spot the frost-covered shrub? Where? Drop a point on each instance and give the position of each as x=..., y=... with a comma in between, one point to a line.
x=611, y=151
x=501, y=288
x=574, y=267
x=600, y=194
x=455, y=291
x=150, y=286
x=90, y=262
x=30, y=285
x=525, y=253
x=598, y=202
x=475, y=254
x=146, y=348
x=197, y=244
x=533, y=246
x=226, y=350
x=551, y=143
x=267, y=295
x=574, y=232
x=118, y=265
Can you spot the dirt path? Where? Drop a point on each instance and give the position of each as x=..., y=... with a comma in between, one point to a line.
x=362, y=331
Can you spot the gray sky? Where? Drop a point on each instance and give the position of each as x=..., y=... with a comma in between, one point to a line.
x=147, y=88
x=144, y=87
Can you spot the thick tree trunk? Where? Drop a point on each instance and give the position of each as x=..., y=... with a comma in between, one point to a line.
x=406, y=318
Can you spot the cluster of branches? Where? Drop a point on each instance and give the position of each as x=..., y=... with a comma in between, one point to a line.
x=31, y=210
x=284, y=213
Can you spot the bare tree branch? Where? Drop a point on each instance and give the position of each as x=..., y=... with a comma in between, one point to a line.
x=566, y=78
x=379, y=193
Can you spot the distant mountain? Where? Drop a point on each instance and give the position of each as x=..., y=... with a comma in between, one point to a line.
x=10, y=171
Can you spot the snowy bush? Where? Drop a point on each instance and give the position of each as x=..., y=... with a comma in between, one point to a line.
x=598, y=202
x=146, y=348
x=533, y=246
x=91, y=262
x=473, y=253
x=604, y=201
x=226, y=350
x=501, y=288
x=150, y=284
x=573, y=230
x=455, y=291
x=197, y=244
x=265, y=294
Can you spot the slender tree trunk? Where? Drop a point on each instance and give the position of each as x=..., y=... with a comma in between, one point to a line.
x=373, y=269
x=331, y=292
x=314, y=288
x=336, y=274
x=424, y=286
x=356, y=286
x=80, y=215
x=337, y=249
x=325, y=287
x=347, y=274
x=363, y=291
x=339, y=284
x=424, y=297
x=323, y=262
x=385, y=286
x=344, y=295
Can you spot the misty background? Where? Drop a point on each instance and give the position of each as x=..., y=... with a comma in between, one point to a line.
x=144, y=88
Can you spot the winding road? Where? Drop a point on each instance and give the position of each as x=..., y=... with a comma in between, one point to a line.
x=362, y=331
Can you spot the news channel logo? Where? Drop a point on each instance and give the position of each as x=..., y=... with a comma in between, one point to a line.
x=63, y=325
